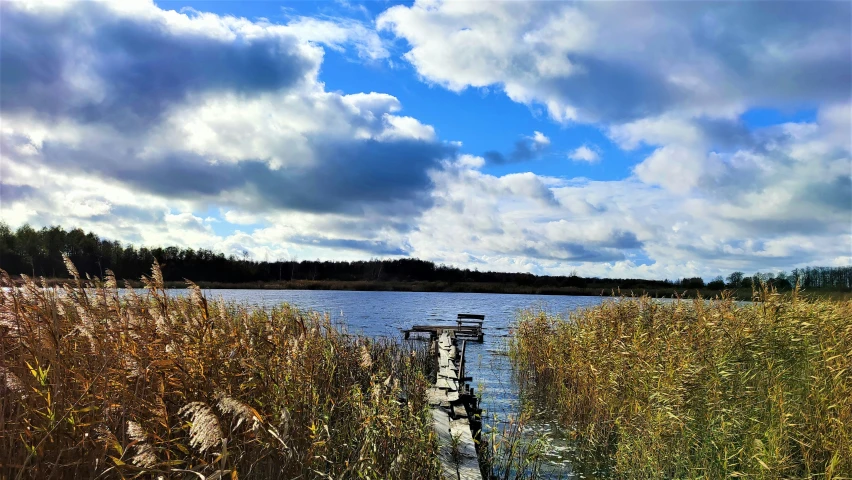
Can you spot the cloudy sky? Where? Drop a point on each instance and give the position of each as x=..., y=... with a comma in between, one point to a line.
x=643, y=139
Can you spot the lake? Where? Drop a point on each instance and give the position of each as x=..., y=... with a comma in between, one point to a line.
x=386, y=313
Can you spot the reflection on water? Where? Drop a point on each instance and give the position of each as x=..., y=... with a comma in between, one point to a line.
x=386, y=313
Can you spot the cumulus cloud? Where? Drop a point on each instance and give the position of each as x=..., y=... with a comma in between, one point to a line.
x=200, y=111
x=584, y=153
x=782, y=204
x=677, y=169
x=675, y=78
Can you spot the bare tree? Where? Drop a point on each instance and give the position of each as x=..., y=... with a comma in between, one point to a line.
x=736, y=279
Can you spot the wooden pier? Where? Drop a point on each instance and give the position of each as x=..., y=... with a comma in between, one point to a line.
x=455, y=412
x=468, y=326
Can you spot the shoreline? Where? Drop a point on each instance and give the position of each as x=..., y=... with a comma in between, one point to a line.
x=469, y=287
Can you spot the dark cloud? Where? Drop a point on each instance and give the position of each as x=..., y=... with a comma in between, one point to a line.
x=790, y=225
x=622, y=239
x=575, y=252
x=14, y=193
x=726, y=134
x=735, y=32
x=614, y=90
x=525, y=149
x=347, y=177
x=358, y=227
x=747, y=258
x=835, y=195
x=609, y=250
x=140, y=67
x=375, y=247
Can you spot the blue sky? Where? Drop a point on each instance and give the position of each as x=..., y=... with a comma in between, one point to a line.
x=644, y=139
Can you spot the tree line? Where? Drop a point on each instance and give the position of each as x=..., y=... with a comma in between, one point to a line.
x=40, y=253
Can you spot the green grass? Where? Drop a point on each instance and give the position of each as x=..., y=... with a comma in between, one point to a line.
x=98, y=385
x=698, y=389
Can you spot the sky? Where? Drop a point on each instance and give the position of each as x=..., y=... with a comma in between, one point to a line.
x=657, y=139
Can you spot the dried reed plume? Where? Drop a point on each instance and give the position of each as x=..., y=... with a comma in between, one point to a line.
x=100, y=383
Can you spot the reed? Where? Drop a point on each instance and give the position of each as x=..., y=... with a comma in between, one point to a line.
x=95, y=383
x=509, y=452
x=698, y=389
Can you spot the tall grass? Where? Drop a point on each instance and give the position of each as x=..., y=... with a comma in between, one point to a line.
x=698, y=389
x=95, y=384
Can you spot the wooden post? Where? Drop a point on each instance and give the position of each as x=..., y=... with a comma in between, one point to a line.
x=461, y=362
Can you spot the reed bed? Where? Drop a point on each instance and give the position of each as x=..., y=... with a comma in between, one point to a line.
x=698, y=389
x=98, y=384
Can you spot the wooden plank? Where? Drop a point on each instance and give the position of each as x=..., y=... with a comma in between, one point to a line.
x=435, y=396
x=443, y=357
x=446, y=384
x=441, y=424
x=468, y=463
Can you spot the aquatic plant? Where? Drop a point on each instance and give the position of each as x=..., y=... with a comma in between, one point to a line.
x=698, y=389
x=98, y=382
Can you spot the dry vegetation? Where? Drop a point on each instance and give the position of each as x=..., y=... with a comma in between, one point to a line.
x=98, y=384
x=699, y=389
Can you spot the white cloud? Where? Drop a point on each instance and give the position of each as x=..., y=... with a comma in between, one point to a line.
x=675, y=168
x=406, y=128
x=616, y=62
x=540, y=140
x=470, y=161
x=660, y=130
x=339, y=33
x=584, y=153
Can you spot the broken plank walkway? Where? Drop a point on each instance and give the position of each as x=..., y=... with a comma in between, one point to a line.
x=455, y=411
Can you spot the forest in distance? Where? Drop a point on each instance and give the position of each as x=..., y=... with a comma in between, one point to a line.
x=39, y=253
